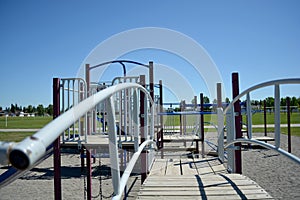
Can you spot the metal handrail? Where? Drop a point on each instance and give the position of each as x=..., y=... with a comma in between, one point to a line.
x=261, y=85
x=129, y=168
x=230, y=119
x=30, y=150
x=266, y=145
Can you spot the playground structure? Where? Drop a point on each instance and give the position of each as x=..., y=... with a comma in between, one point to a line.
x=122, y=118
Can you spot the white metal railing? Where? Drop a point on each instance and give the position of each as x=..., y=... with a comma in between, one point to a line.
x=24, y=154
x=73, y=91
x=230, y=122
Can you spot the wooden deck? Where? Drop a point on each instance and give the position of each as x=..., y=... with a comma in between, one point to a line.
x=194, y=178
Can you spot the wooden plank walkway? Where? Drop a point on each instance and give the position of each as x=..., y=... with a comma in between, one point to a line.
x=194, y=178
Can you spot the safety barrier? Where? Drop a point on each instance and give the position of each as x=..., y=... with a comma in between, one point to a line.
x=230, y=114
x=73, y=91
x=24, y=154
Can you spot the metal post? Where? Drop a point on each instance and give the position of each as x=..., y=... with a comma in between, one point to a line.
x=142, y=130
x=265, y=117
x=56, y=144
x=219, y=95
x=113, y=146
x=87, y=80
x=230, y=125
x=161, y=109
x=195, y=103
x=289, y=123
x=277, y=116
x=89, y=174
x=88, y=153
x=180, y=117
x=220, y=123
x=238, y=120
x=151, y=79
x=202, y=125
x=249, y=116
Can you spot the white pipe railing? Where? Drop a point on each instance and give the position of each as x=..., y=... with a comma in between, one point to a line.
x=130, y=167
x=26, y=153
x=266, y=145
x=230, y=117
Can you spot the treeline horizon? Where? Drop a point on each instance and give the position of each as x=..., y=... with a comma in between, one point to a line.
x=40, y=110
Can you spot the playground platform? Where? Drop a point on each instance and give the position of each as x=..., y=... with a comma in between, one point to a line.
x=197, y=178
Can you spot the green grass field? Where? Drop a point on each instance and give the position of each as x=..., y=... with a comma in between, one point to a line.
x=24, y=122
x=39, y=122
x=257, y=119
x=14, y=136
x=21, y=123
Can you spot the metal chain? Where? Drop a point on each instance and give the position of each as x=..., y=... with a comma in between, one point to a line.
x=100, y=189
x=100, y=194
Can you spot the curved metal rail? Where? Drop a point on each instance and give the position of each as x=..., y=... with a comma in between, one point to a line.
x=230, y=117
x=266, y=145
x=129, y=168
x=261, y=85
x=30, y=150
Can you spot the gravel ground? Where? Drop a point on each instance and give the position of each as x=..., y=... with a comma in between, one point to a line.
x=276, y=174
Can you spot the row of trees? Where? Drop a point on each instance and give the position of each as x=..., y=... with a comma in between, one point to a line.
x=270, y=102
x=294, y=101
x=40, y=110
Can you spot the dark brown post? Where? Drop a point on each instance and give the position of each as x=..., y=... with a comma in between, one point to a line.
x=87, y=80
x=265, y=117
x=238, y=120
x=161, y=110
x=202, y=123
x=151, y=79
x=56, y=144
x=88, y=151
x=289, y=123
x=219, y=95
x=142, y=127
x=89, y=174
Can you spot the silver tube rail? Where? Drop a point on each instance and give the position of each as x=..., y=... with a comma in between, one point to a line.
x=266, y=145
x=230, y=120
x=261, y=85
x=129, y=168
x=31, y=149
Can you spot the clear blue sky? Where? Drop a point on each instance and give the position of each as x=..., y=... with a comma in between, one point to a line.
x=43, y=39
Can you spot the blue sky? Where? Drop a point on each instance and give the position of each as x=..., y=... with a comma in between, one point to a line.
x=43, y=39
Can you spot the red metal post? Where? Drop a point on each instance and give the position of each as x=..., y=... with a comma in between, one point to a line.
x=56, y=144
x=202, y=123
x=238, y=120
x=151, y=79
x=87, y=80
x=142, y=126
x=88, y=151
x=89, y=174
x=289, y=123
x=161, y=109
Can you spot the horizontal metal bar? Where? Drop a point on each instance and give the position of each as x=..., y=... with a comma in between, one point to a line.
x=187, y=113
